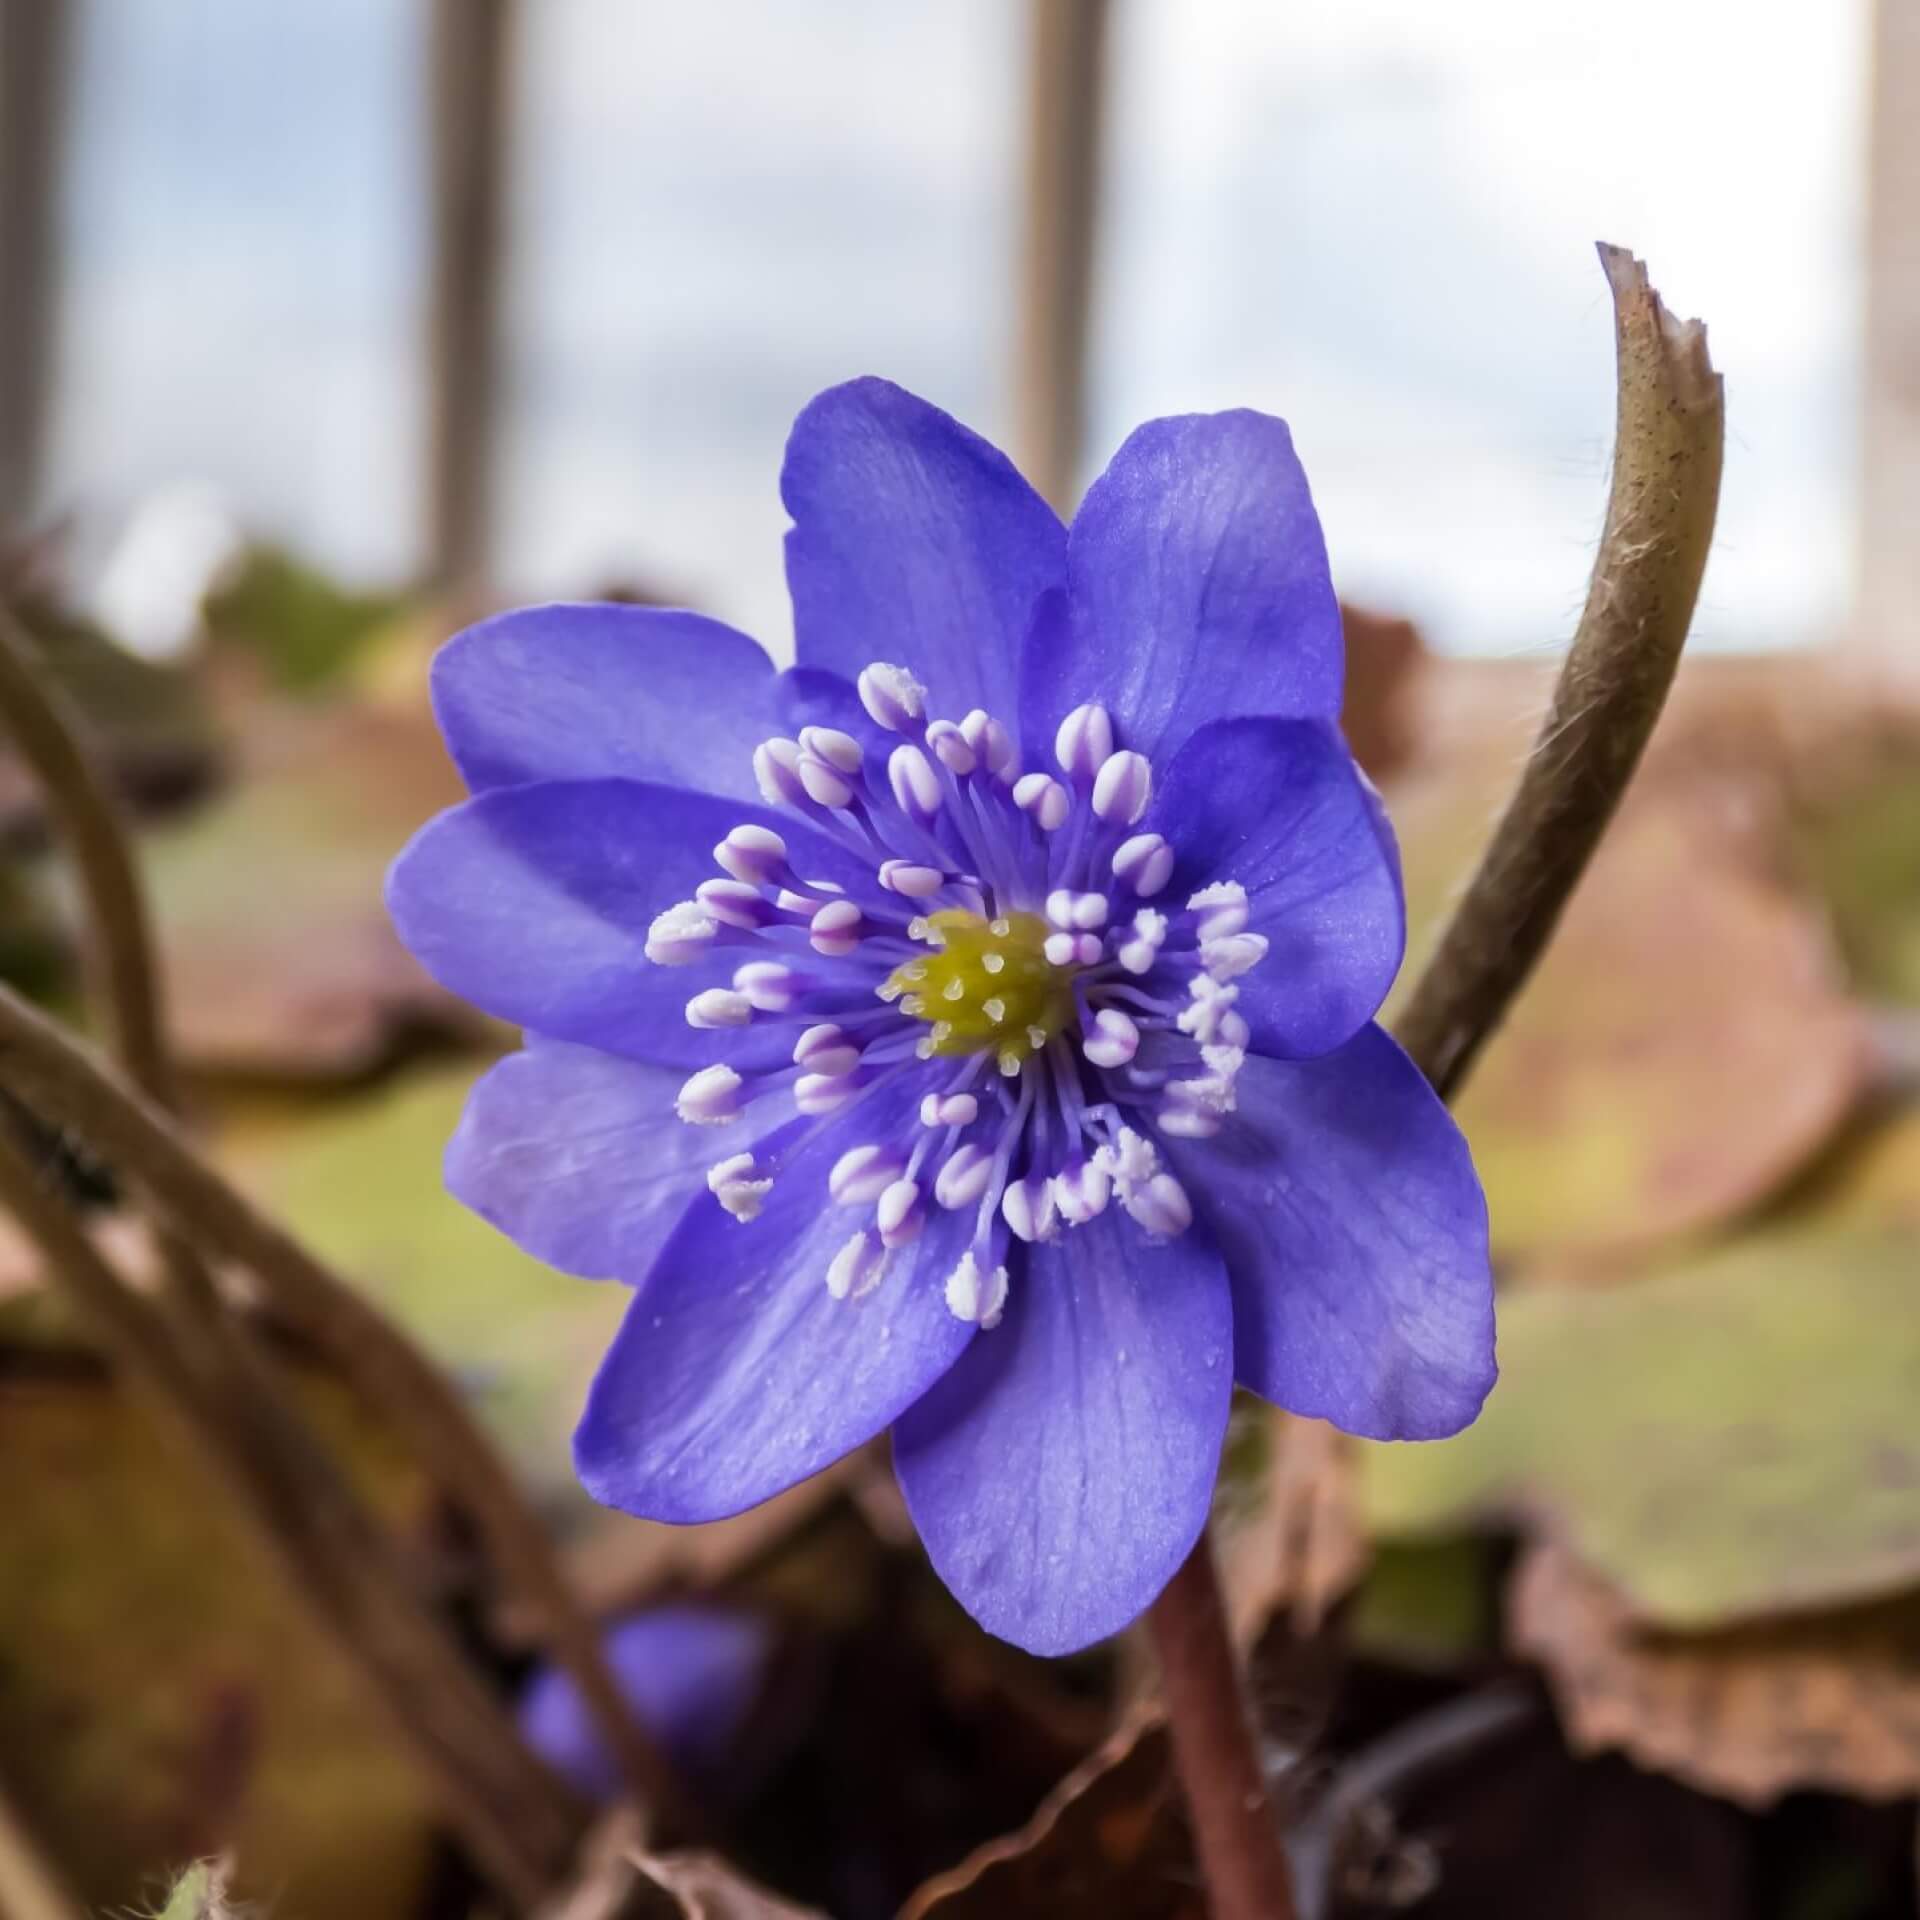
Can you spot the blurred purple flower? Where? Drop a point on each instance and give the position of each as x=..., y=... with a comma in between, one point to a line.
x=691, y=1674
x=1012, y=1082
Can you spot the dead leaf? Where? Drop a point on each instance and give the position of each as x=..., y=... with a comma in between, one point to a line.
x=1378, y=712
x=1730, y=1438
x=1826, y=1701
x=1111, y=1840
x=280, y=961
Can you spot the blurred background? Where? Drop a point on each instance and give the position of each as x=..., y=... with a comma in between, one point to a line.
x=327, y=325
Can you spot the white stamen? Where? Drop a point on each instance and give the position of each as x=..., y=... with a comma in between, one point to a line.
x=1029, y=1208
x=769, y=987
x=821, y=1092
x=1084, y=742
x=681, y=935
x=835, y=929
x=990, y=742
x=1043, y=799
x=736, y=1184
x=840, y=751
x=1229, y=958
x=916, y=787
x=825, y=1049
x=1138, y=952
x=899, y=1214
x=1082, y=911
x=910, y=878
x=1208, y=1009
x=964, y=1178
x=949, y=1110
x=862, y=1174
x=857, y=1268
x=1188, y=1123
x=1144, y=863
x=825, y=784
x=734, y=904
x=710, y=1098
x=976, y=1297
x=776, y=765
x=1161, y=1206
x=1122, y=787
x=949, y=746
x=1060, y=948
x=719, y=1007
x=753, y=854
x=1110, y=1039
x=1222, y=908
x=891, y=695
x=1081, y=1191
x=1131, y=1161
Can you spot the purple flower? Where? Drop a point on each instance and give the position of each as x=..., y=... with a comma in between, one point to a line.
x=693, y=1676
x=969, y=1031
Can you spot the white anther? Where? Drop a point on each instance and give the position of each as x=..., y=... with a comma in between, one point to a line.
x=916, y=787
x=1208, y=1009
x=899, y=1214
x=974, y=1296
x=734, y=904
x=857, y=1268
x=1238, y=953
x=1081, y=911
x=949, y=746
x=1188, y=1123
x=1110, y=1039
x=1206, y=1093
x=682, y=934
x=1122, y=787
x=815, y=1093
x=910, y=878
x=1226, y=1057
x=990, y=742
x=1084, y=742
x=776, y=771
x=962, y=1181
x=862, y=1174
x=893, y=697
x=737, y=1185
x=1131, y=1161
x=1043, y=799
x=835, y=929
x=949, y=1110
x=1144, y=863
x=1161, y=1206
x=1222, y=909
x=839, y=750
x=710, y=1098
x=1081, y=1191
x=753, y=854
x=769, y=987
x=1061, y=949
x=1231, y=1030
x=1029, y=1208
x=719, y=1007
x=1141, y=948
x=825, y=784
x=825, y=1049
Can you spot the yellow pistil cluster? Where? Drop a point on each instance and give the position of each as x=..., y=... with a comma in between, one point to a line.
x=987, y=985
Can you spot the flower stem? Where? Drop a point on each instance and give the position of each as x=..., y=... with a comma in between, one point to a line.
x=1236, y=1830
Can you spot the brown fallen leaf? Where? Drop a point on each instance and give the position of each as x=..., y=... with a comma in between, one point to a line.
x=1111, y=1840
x=1820, y=1700
x=279, y=957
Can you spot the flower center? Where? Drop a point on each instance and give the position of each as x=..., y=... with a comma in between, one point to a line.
x=987, y=986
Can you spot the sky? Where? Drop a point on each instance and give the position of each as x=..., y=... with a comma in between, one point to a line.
x=1375, y=217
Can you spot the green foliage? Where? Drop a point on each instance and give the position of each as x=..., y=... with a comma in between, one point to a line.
x=305, y=630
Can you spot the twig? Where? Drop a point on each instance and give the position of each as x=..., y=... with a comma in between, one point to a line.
x=39, y=1060
x=1666, y=487
x=513, y=1814
x=1236, y=1830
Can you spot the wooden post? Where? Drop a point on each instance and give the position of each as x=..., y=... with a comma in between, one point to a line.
x=36, y=37
x=469, y=88
x=1065, y=85
x=1887, y=611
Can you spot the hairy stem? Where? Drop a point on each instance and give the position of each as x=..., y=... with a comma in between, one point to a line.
x=1236, y=1829
x=1660, y=513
